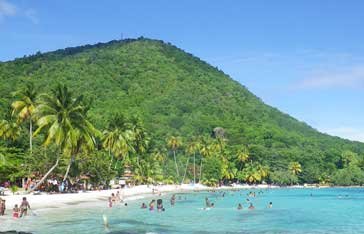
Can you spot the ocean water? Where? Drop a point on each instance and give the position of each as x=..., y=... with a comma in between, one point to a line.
x=329, y=210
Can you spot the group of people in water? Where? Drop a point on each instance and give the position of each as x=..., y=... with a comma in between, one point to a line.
x=18, y=211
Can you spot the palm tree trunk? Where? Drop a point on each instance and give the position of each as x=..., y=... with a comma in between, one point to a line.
x=30, y=136
x=194, y=168
x=184, y=175
x=175, y=162
x=112, y=158
x=45, y=176
x=199, y=181
x=68, y=168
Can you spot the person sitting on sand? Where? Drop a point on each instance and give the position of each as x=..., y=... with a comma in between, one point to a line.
x=251, y=207
x=270, y=205
x=24, y=206
x=144, y=206
x=240, y=207
x=16, y=211
x=151, y=205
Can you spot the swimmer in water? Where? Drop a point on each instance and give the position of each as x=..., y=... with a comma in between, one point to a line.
x=240, y=207
x=151, y=205
x=270, y=205
x=251, y=207
x=144, y=206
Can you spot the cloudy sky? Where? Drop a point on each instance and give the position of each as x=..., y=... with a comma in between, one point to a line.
x=303, y=57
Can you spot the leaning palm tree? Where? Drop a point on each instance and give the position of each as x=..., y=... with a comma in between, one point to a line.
x=174, y=143
x=64, y=120
x=24, y=107
x=192, y=148
x=295, y=168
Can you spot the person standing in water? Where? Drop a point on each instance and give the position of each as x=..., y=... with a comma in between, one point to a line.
x=151, y=205
x=24, y=206
x=251, y=207
x=270, y=205
x=173, y=200
x=240, y=207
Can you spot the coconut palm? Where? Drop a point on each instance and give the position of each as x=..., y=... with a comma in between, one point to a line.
x=24, y=107
x=193, y=147
x=295, y=168
x=205, y=151
x=251, y=173
x=242, y=156
x=64, y=120
x=141, y=139
x=9, y=129
x=173, y=144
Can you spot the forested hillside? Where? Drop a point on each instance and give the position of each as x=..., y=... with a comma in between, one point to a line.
x=177, y=94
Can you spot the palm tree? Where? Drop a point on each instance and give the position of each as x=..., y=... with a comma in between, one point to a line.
x=141, y=139
x=193, y=147
x=9, y=129
x=119, y=140
x=242, y=156
x=174, y=143
x=205, y=151
x=64, y=119
x=251, y=173
x=295, y=168
x=24, y=108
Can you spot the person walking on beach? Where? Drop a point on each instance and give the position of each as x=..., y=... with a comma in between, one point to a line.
x=24, y=206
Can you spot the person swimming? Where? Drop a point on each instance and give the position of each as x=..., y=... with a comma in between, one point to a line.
x=143, y=206
x=270, y=205
x=160, y=205
x=240, y=207
x=251, y=207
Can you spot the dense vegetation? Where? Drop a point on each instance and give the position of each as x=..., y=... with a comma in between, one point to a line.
x=152, y=107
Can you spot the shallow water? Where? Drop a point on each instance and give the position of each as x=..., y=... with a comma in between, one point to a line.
x=332, y=210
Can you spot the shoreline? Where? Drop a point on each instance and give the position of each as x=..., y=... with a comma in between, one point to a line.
x=50, y=201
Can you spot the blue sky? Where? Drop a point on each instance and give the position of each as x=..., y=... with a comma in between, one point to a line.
x=303, y=57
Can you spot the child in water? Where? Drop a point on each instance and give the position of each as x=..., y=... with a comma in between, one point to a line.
x=16, y=211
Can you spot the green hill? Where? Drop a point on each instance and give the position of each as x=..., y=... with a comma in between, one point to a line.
x=176, y=93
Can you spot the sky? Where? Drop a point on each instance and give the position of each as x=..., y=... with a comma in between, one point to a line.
x=302, y=57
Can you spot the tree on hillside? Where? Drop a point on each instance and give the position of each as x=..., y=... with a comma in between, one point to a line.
x=24, y=107
x=141, y=138
x=295, y=168
x=242, y=156
x=9, y=129
x=173, y=144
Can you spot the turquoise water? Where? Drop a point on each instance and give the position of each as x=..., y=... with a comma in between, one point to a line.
x=332, y=210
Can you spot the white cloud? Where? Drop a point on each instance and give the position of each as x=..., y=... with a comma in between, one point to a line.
x=32, y=15
x=352, y=77
x=350, y=133
x=7, y=9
